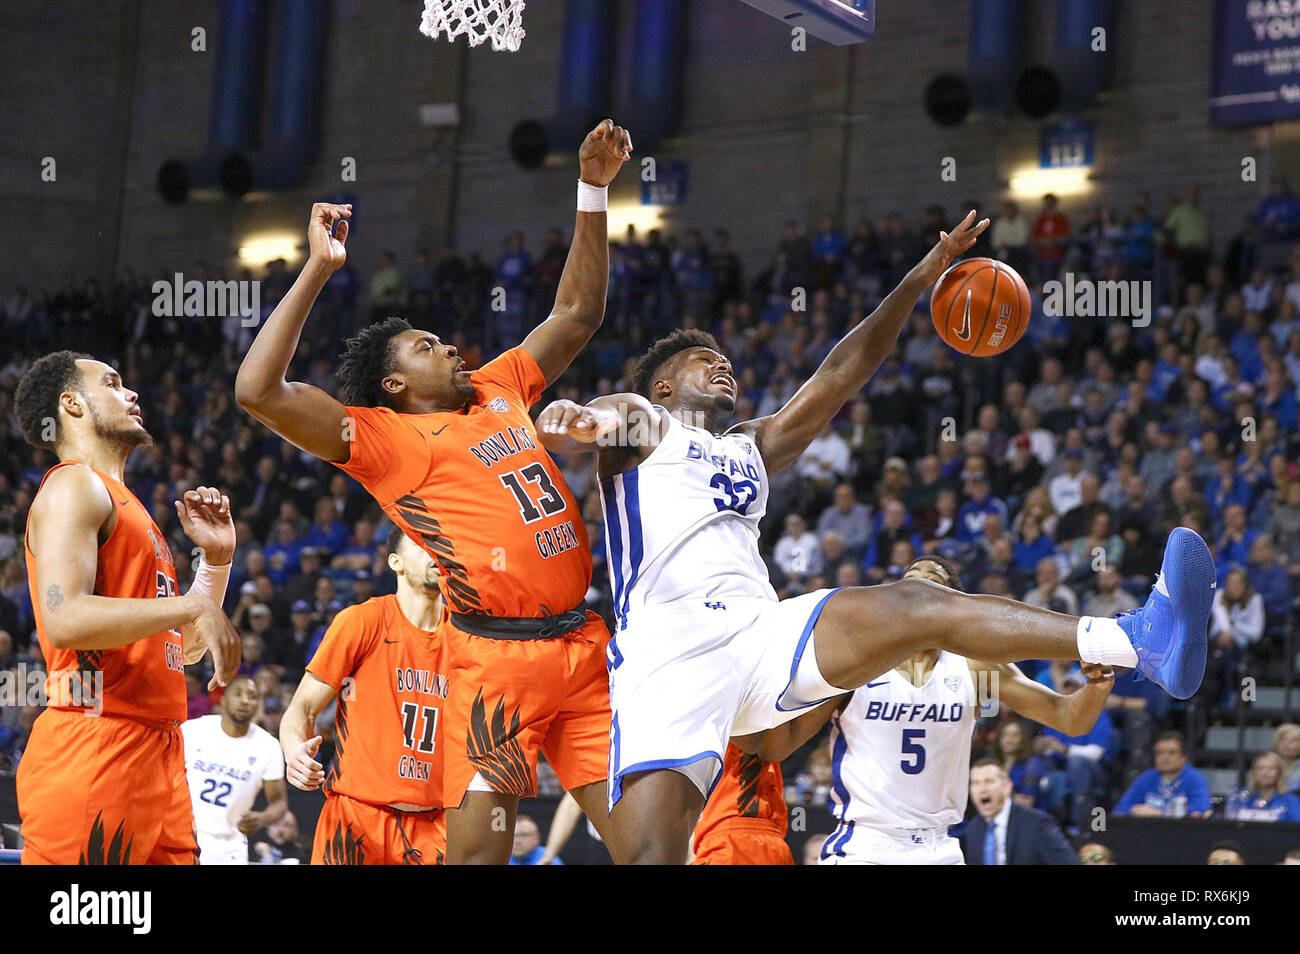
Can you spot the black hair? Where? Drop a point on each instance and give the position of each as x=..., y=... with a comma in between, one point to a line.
x=367, y=360
x=36, y=402
x=395, y=538
x=665, y=348
x=943, y=563
x=1172, y=736
x=1233, y=846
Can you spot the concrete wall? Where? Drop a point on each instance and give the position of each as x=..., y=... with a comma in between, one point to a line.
x=769, y=133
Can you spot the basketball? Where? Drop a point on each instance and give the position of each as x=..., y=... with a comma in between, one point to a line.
x=980, y=306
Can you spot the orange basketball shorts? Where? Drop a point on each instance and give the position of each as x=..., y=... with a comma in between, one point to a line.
x=742, y=843
x=350, y=832
x=102, y=790
x=511, y=698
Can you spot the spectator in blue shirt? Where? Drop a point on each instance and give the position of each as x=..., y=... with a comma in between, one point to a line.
x=1234, y=545
x=971, y=517
x=514, y=263
x=828, y=243
x=1268, y=577
x=1266, y=801
x=528, y=849
x=1225, y=489
x=1278, y=214
x=283, y=553
x=1166, y=370
x=328, y=533
x=1278, y=399
x=1033, y=545
x=1154, y=791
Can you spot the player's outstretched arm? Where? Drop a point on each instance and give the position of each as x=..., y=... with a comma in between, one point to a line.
x=567, y=815
x=616, y=422
x=300, y=413
x=1073, y=714
x=63, y=530
x=580, y=297
x=785, y=435
x=277, y=803
x=781, y=742
x=298, y=736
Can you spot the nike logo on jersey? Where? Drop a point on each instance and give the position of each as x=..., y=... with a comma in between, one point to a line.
x=873, y=685
x=440, y=430
x=964, y=334
x=392, y=640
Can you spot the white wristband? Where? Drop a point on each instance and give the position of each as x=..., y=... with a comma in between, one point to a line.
x=211, y=581
x=592, y=198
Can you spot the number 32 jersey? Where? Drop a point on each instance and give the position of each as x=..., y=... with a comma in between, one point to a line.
x=683, y=524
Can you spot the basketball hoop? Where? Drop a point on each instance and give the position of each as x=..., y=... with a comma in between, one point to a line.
x=501, y=21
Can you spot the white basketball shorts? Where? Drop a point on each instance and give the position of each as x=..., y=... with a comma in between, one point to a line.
x=222, y=851
x=687, y=676
x=869, y=846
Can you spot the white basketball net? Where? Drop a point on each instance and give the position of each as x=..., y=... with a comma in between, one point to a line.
x=501, y=21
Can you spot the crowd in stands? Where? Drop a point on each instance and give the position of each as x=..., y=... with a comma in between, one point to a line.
x=1051, y=474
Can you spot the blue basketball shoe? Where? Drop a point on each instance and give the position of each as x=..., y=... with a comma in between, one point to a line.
x=1171, y=632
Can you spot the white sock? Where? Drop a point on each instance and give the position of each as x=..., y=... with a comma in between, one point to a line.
x=1101, y=640
x=1160, y=585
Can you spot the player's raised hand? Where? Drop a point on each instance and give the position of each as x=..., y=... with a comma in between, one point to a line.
x=204, y=513
x=301, y=768
x=950, y=245
x=603, y=153
x=211, y=630
x=1098, y=676
x=573, y=420
x=327, y=234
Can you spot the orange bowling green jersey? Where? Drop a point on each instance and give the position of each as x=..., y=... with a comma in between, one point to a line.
x=475, y=488
x=391, y=685
x=143, y=680
x=749, y=790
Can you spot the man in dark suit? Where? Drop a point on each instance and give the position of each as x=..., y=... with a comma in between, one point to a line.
x=1004, y=833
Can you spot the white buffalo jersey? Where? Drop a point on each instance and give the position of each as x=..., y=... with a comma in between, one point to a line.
x=225, y=773
x=900, y=755
x=683, y=524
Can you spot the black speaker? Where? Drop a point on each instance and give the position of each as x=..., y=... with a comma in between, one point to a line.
x=947, y=99
x=174, y=181
x=1038, y=92
x=529, y=143
x=235, y=174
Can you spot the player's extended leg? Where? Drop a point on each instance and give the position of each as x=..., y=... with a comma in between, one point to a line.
x=654, y=818
x=865, y=631
x=868, y=630
x=482, y=830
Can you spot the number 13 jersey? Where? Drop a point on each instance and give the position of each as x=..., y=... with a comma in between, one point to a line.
x=480, y=494
x=683, y=524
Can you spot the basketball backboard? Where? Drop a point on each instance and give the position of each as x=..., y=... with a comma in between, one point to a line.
x=840, y=22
